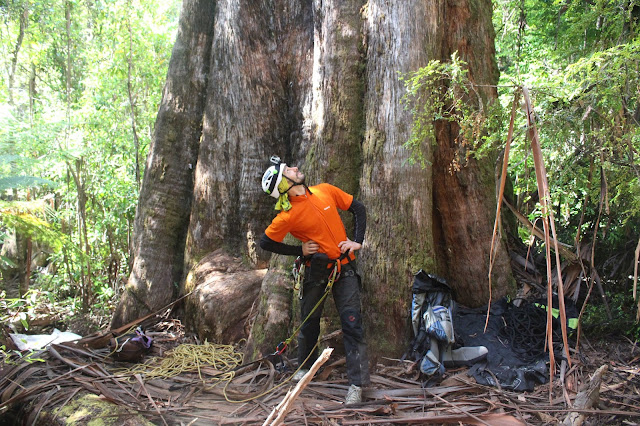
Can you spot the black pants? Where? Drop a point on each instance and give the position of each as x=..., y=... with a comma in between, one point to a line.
x=346, y=295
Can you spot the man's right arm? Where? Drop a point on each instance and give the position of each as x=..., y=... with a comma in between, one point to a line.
x=268, y=244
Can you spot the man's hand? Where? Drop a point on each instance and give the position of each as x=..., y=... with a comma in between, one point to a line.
x=349, y=245
x=309, y=247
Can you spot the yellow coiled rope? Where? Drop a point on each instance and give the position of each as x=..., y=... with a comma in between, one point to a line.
x=219, y=361
x=192, y=358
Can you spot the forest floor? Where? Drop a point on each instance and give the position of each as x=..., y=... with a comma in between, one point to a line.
x=206, y=393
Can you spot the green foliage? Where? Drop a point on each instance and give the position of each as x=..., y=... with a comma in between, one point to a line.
x=11, y=357
x=28, y=224
x=442, y=91
x=35, y=304
x=622, y=307
x=84, y=72
x=12, y=182
x=581, y=63
x=425, y=99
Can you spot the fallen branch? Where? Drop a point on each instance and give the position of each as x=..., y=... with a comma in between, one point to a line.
x=283, y=408
x=139, y=379
x=101, y=339
x=635, y=279
x=463, y=411
x=586, y=399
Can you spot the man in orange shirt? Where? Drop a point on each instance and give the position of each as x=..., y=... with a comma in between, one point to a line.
x=311, y=216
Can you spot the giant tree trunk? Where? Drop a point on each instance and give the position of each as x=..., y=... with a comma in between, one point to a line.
x=401, y=37
x=316, y=82
x=431, y=218
x=167, y=190
x=466, y=199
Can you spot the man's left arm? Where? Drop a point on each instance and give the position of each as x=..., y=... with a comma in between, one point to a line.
x=360, y=226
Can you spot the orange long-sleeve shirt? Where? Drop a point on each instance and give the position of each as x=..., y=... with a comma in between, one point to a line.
x=315, y=217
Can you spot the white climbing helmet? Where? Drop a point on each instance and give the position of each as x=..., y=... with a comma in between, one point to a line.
x=273, y=176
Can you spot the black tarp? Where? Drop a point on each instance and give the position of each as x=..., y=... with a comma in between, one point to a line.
x=515, y=338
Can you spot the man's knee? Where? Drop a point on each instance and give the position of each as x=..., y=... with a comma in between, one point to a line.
x=351, y=323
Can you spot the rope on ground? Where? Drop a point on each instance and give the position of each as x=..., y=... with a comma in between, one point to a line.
x=272, y=389
x=525, y=328
x=191, y=358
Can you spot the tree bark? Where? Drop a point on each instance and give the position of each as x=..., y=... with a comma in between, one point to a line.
x=86, y=283
x=466, y=199
x=400, y=37
x=167, y=190
x=325, y=132
x=254, y=110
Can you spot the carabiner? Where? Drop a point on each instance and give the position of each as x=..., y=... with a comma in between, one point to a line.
x=282, y=346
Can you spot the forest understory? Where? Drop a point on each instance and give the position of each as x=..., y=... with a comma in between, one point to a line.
x=182, y=380
x=50, y=391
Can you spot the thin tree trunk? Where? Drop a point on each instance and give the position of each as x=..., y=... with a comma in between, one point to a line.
x=24, y=285
x=86, y=286
x=167, y=187
x=32, y=94
x=132, y=104
x=67, y=15
x=24, y=23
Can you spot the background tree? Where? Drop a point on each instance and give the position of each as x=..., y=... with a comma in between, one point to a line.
x=580, y=60
x=167, y=190
x=67, y=95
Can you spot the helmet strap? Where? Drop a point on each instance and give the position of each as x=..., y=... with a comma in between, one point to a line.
x=298, y=183
x=294, y=183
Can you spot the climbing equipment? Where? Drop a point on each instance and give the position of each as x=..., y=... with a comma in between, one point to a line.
x=273, y=176
x=191, y=358
x=131, y=347
x=261, y=394
x=431, y=315
x=298, y=275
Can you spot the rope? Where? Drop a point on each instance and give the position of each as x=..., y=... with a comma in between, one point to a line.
x=282, y=346
x=268, y=391
x=190, y=358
